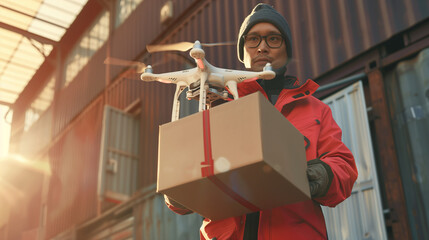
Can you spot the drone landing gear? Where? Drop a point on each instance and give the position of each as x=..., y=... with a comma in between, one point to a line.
x=214, y=96
x=176, y=103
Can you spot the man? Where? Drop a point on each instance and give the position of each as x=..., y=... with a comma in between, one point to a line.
x=265, y=38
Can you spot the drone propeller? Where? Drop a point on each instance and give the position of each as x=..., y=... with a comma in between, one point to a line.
x=140, y=67
x=181, y=46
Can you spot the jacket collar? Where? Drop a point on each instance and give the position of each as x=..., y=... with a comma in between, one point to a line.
x=286, y=95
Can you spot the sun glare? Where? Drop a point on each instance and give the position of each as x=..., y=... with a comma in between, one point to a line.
x=38, y=166
x=4, y=132
x=13, y=167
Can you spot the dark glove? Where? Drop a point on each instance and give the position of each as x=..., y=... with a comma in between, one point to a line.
x=320, y=176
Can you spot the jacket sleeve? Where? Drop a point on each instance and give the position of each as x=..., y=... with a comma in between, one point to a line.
x=334, y=152
x=176, y=207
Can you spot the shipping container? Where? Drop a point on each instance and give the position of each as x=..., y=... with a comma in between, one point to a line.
x=100, y=134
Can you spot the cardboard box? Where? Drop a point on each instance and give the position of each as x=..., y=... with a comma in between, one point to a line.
x=258, y=160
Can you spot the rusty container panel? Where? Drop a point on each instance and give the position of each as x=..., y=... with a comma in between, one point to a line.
x=86, y=86
x=156, y=110
x=325, y=34
x=21, y=222
x=39, y=132
x=129, y=40
x=74, y=160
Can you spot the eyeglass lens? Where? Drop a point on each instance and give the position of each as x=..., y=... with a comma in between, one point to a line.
x=272, y=40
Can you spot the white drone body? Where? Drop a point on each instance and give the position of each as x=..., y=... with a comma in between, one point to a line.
x=207, y=75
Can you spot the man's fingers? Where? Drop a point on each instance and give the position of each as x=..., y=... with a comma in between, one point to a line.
x=311, y=174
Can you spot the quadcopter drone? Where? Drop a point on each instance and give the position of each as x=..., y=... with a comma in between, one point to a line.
x=205, y=82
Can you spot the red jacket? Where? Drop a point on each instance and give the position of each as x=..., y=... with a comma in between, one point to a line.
x=303, y=220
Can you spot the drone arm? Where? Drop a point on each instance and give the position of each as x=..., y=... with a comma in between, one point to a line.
x=240, y=76
x=170, y=77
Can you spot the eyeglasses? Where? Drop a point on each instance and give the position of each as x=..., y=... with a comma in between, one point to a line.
x=272, y=40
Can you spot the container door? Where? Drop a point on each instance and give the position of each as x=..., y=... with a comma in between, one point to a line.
x=407, y=88
x=119, y=156
x=361, y=215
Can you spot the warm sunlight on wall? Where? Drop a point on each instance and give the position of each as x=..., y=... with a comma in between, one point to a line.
x=4, y=147
x=4, y=132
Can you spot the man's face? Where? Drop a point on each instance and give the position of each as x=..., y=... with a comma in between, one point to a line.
x=256, y=58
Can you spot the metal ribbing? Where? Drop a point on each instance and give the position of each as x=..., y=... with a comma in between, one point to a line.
x=331, y=36
x=74, y=163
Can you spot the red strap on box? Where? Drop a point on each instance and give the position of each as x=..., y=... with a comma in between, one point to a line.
x=208, y=169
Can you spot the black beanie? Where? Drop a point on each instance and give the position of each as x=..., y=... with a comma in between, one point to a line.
x=264, y=13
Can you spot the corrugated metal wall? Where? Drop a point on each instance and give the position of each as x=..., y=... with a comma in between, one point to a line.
x=141, y=28
x=72, y=197
x=86, y=86
x=40, y=131
x=325, y=34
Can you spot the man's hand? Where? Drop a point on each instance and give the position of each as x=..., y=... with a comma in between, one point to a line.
x=320, y=176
